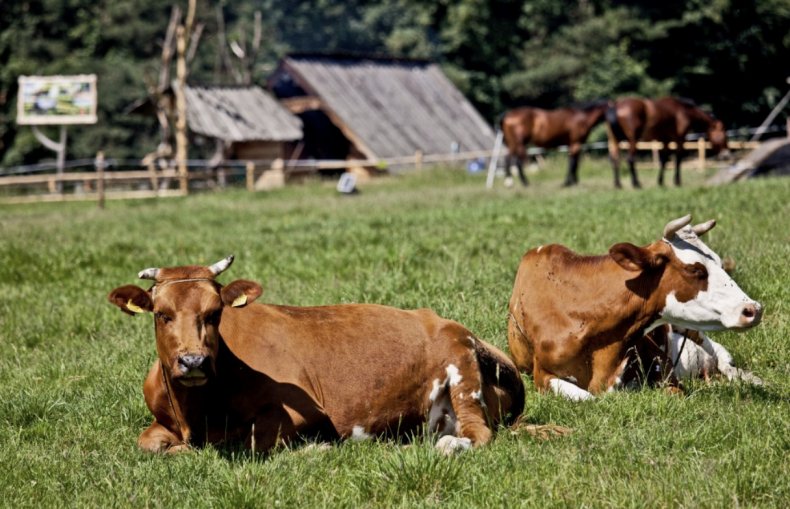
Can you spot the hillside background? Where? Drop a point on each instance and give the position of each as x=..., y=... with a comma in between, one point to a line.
x=730, y=56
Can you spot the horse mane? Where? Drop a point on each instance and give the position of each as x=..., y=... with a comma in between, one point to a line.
x=590, y=105
x=690, y=103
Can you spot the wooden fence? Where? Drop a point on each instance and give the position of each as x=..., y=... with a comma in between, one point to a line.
x=101, y=184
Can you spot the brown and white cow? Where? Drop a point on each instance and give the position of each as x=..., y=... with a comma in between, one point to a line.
x=231, y=370
x=573, y=318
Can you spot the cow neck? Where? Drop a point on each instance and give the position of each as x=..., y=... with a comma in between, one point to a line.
x=168, y=390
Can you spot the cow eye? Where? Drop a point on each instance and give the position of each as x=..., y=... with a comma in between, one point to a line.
x=163, y=317
x=698, y=271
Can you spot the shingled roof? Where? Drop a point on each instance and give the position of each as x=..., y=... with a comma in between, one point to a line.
x=390, y=107
x=239, y=113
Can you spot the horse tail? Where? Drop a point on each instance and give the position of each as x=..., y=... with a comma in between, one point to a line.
x=614, y=125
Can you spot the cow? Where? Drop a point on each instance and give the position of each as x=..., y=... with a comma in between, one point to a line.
x=573, y=318
x=231, y=370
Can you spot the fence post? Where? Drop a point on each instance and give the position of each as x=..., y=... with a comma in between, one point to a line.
x=418, y=160
x=100, y=172
x=788, y=127
x=250, y=176
x=701, y=153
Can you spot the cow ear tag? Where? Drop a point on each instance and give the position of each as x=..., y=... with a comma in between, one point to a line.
x=134, y=308
x=239, y=301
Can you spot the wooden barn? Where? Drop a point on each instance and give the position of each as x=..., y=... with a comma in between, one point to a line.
x=375, y=108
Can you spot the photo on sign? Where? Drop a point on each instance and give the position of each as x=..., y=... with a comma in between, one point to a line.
x=57, y=100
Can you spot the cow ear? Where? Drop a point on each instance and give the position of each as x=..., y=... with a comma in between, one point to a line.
x=240, y=293
x=630, y=257
x=131, y=299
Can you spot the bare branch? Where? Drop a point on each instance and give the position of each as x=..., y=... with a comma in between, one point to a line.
x=194, y=41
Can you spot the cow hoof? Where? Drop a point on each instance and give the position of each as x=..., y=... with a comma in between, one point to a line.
x=178, y=449
x=450, y=444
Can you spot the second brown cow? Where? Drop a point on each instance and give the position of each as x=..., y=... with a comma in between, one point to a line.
x=573, y=318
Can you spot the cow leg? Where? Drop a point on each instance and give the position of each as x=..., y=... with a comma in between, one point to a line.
x=546, y=381
x=458, y=413
x=157, y=438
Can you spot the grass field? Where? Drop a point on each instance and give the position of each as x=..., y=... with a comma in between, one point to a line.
x=72, y=365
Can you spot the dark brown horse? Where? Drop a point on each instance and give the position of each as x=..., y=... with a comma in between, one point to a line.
x=667, y=119
x=549, y=129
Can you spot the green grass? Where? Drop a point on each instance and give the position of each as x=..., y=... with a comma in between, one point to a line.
x=72, y=366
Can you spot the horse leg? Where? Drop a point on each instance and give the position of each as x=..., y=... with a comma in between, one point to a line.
x=508, y=176
x=573, y=166
x=520, y=168
x=678, y=157
x=614, y=158
x=663, y=157
x=632, y=164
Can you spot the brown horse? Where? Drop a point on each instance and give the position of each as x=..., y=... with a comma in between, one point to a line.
x=548, y=129
x=666, y=120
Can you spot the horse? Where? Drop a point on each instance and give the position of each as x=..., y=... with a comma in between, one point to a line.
x=666, y=120
x=548, y=129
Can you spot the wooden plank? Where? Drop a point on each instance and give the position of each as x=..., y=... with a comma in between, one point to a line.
x=298, y=105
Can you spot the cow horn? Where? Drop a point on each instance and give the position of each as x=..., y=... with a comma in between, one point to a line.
x=221, y=265
x=703, y=228
x=150, y=273
x=672, y=227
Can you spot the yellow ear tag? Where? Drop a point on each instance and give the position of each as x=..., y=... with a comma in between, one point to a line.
x=134, y=308
x=239, y=301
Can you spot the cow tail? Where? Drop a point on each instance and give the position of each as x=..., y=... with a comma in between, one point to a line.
x=497, y=370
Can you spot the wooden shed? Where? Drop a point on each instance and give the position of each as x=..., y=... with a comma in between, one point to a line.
x=250, y=121
x=246, y=122
x=375, y=108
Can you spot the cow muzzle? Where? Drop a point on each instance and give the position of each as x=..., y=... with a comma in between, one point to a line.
x=192, y=369
x=750, y=315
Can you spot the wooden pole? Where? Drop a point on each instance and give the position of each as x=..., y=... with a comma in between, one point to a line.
x=250, y=176
x=418, y=160
x=100, y=173
x=701, y=153
x=181, y=111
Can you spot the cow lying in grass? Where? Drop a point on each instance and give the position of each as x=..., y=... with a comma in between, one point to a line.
x=573, y=318
x=231, y=370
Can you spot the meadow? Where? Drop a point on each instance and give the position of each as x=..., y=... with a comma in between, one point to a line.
x=72, y=365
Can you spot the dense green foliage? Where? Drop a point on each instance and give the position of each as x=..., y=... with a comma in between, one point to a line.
x=72, y=365
x=728, y=55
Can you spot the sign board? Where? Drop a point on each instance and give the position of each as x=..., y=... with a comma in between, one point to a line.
x=57, y=100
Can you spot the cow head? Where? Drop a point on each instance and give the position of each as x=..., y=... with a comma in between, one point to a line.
x=187, y=304
x=693, y=289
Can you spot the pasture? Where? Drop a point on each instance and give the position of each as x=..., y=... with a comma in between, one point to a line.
x=72, y=365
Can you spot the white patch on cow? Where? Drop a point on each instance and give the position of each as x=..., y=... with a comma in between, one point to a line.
x=435, y=390
x=453, y=375
x=568, y=390
x=358, y=434
x=721, y=306
x=476, y=395
x=450, y=444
